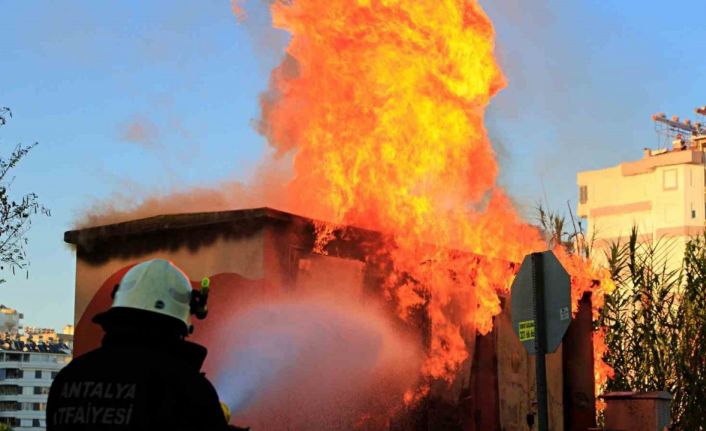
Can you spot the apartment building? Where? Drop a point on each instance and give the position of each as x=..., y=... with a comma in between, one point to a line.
x=662, y=194
x=29, y=362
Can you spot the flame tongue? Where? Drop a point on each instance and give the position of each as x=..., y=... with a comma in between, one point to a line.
x=383, y=103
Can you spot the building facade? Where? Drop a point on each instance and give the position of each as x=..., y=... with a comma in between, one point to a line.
x=29, y=362
x=662, y=195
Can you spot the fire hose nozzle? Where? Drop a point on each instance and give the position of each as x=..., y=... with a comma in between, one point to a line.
x=226, y=413
x=199, y=299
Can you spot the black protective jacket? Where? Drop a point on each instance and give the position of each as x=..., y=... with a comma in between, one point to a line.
x=135, y=382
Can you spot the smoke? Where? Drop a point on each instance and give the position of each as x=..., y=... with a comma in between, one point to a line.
x=265, y=188
x=254, y=16
x=141, y=131
x=312, y=363
x=577, y=95
x=264, y=185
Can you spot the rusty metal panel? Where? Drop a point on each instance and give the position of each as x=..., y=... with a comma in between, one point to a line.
x=485, y=408
x=579, y=397
x=555, y=389
x=515, y=390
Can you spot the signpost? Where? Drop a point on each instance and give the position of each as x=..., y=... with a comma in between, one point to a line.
x=541, y=314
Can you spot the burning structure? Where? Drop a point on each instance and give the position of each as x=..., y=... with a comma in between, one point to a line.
x=307, y=335
x=393, y=316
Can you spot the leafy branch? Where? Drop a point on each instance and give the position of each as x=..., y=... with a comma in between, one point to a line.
x=15, y=212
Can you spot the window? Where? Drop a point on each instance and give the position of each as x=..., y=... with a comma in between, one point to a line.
x=54, y=374
x=583, y=194
x=35, y=423
x=669, y=179
x=9, y=390
x=13, y=373
x=9, y=406
x=33, y=406
x=41, y=390
x=12, y=422
x=38, y=374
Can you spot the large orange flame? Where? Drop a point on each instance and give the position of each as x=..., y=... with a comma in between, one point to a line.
x=382, y=102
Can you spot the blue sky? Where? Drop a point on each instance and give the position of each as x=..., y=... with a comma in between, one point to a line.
x=143, y=97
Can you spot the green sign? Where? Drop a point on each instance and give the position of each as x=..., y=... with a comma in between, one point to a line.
x=526, y=330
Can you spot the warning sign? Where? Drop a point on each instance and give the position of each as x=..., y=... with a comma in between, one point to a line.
x=526, y=330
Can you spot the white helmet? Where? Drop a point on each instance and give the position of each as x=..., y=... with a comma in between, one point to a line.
x=158, y=286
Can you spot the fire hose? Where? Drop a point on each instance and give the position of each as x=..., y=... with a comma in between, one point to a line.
x=199, y=307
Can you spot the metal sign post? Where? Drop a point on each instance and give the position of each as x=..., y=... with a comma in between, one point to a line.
x=540, y=341
x=541, y=314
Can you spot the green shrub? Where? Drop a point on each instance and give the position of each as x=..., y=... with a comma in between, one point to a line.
x=655, y=323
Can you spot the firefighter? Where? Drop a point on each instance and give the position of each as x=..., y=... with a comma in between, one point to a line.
x=145, y=375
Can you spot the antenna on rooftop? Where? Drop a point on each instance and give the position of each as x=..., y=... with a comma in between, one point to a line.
x=680, y=134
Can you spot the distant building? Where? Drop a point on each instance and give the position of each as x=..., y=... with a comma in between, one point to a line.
x=9, y=320
x=49, y=335
x=661, y=194
x=28, y=363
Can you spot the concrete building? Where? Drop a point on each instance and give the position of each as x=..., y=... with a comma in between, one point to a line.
x=28, y=364
x=661, y=194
